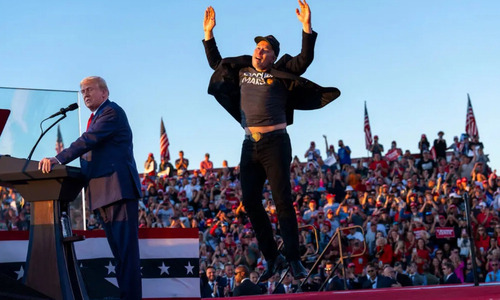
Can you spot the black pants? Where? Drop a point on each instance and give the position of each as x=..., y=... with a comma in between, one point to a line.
x=270, y=158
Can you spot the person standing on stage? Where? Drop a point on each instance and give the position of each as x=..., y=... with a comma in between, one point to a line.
x=112, y=181
x=261, y=94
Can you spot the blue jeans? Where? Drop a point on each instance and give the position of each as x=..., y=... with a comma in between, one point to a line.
x=270, y=158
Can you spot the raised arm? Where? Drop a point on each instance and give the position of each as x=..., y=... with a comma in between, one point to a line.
x=211, y=50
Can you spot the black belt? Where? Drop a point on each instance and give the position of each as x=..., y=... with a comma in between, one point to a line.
x=257, y=136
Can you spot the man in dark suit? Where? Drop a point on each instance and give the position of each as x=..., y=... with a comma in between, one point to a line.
x=286, y=286
x=391, y=274
x=416, y=278
x=401, y=277
x=245, y=286
x=337, y=282
x=112, y=181
x=374, y=281
x=212, y=286
x=254, y=277
x=449, y=274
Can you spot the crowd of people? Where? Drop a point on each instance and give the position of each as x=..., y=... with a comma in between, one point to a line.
x=411, y=208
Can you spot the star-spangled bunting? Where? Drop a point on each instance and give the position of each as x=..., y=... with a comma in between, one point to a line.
x=169, y=266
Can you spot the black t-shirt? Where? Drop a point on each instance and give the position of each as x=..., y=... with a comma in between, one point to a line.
x=263, y=99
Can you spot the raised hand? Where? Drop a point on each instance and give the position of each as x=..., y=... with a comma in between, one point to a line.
x=304, y=16
x=209, y=23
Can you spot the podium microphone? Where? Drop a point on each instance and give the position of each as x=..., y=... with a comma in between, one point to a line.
x=65, y=110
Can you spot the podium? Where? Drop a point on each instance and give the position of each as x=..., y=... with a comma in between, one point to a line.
x=51, y=265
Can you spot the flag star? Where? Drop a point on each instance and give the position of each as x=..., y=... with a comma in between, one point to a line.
x=20, y=273
x=163, y=268
x=189, y=268
x=111, y=268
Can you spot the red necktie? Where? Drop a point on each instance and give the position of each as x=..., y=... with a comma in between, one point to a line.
x=90, y=120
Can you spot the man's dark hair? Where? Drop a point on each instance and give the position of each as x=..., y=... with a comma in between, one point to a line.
x=449, y=265
x=243, y=269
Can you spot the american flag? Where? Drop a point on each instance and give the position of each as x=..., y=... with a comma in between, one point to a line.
x=470, y=122
x=433, y=153
x=368, y=131
x=59, y=141
x=169, y=262
x=164, y=153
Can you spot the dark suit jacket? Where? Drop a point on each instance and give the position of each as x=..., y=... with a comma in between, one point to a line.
x=280, y=289
x=303, y=94
x=404, y=279
x=247, y=288
x=106, y=157
x=382, y=282
x=337, y=284
x=418, y=279
x=206, y=290
x=453, y=279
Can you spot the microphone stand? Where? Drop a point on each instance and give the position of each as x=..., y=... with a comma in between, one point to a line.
x=41, y=135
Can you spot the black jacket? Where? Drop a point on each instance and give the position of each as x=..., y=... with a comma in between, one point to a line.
x=247, y=288
x=453, y=279
x=303, y=94
x=206, y=291
x=404, y=279
x=382, y=282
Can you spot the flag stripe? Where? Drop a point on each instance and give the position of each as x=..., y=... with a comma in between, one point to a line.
x=150, y=268
x=13, y=251
x=178, y=288
x=14, y=235
x=148, y=233
x=150, y=248
x=182, y=287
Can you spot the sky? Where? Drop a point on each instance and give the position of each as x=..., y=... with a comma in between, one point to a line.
x=412, y=62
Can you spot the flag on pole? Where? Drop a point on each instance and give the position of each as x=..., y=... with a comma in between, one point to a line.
x=470, y=122
x=169, y=262
x=368, y=131
x=433, y=153
x=59, y=141
x=164, y=153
